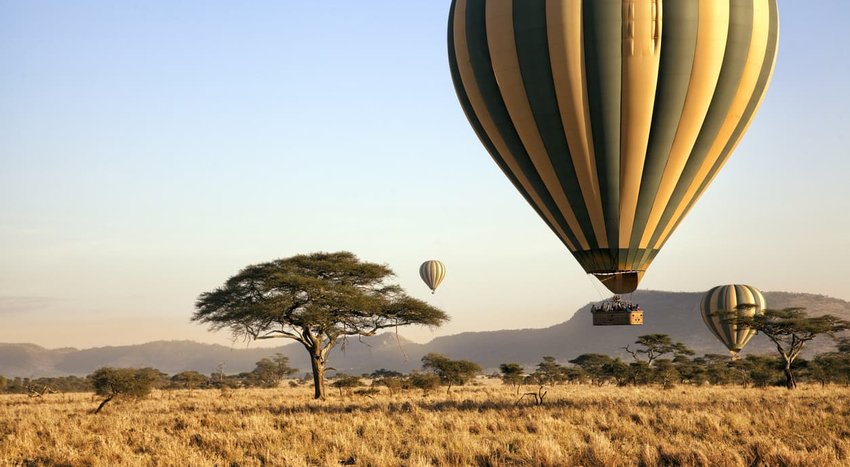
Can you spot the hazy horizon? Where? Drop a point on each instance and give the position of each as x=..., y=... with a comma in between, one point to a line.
x=150, y=151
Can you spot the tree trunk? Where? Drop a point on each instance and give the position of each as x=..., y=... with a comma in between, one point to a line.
x=318, y=376
x=790, y=383
x=99, y=407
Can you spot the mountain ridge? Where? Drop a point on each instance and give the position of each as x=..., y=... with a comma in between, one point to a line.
x=673, y=313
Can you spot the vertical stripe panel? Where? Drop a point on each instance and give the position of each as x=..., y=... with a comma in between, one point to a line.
x=468, y=110
x=709, y=56
x=564, y=29
x=745, y=297
x=728, y=320
x=505, y=62
x=706, y=310
x=734, y=63
x=679, y=39
x=532, y=52
x=474, y=66
x=641, y=59
x=602, y=33
x=748, y=82
x=749, y=114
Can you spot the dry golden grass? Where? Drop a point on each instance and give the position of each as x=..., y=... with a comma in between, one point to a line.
x=578, y=425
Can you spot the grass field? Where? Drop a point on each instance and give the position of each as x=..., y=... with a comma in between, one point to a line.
x=577, y=425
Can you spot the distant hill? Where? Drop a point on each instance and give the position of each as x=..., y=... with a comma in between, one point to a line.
x=673, y=313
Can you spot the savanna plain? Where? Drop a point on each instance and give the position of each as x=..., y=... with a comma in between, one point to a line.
x=484, y=425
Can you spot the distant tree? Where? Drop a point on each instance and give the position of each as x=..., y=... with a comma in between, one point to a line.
x=217, y=378
x=451, y=372
x=761, y=370
x=271, y=370
x=690, y=371
x=390, y=379
x=831, y=367
x=594, y=366
x=188, y=380
x=512, y=374
x=316, y=300
x=393, y=383
x=550, y=371
x=384, y=373
x=790, y=329
x=122, y=382
x=158, y=378
x=640, y=373
x=346, y=383
x=718, y=369
x=65, y=383
x=664, y=372
x=427, y=382
x=15, y=385
x=653, y=346
x=617, y=370
x=574, y=374
x=844, y=345
x=3, y=382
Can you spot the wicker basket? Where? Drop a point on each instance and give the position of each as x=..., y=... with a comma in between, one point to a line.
x=618, y=318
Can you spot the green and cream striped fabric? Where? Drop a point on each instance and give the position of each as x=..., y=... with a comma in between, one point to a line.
x=611, y=117
x=432, y=273
x=719, y=308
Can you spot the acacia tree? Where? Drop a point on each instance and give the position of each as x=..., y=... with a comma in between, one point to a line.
x=189, y=380
x=790, y=329
x=512, y=374
x=270, y=371
x=317, y=300
x=123, y=382
x=653, y=346
x=550, y=372
x=345, y=383
x=451, y=372
x=595, y=366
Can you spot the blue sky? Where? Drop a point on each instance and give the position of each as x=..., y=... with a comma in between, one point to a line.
x=149, y=150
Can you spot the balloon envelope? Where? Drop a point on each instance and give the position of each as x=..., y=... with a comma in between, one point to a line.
x=719, y=310
x=611, y=117
x=432, y=273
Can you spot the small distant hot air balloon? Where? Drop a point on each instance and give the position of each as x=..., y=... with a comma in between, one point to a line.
x=612, y=117
x=432, y=273
x=720, y=308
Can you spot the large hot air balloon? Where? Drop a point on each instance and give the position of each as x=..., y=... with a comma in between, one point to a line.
x=720, y=308
x=611, y=117
x=432, y=273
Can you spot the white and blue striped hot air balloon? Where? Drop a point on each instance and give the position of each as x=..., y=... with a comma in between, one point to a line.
x=720, y=308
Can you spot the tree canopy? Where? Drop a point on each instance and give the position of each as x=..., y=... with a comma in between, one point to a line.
x=315, y=299
x=271, y=370
x=123, y=382
x=653, y=346
x=790, y=329
x=451, y=372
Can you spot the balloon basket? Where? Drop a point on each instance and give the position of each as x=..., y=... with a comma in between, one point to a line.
x=616, y=312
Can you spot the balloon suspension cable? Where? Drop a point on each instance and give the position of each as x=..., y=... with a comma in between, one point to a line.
x=595, y=287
